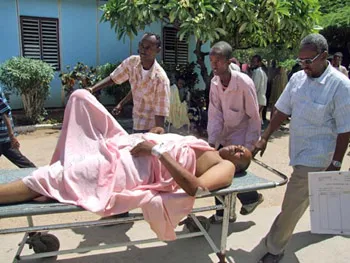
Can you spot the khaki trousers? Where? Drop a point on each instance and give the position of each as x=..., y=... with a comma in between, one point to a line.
x=296, y=201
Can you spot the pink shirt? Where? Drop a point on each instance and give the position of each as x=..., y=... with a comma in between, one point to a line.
x=233, y=116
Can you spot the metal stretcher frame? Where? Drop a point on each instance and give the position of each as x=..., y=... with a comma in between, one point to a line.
x=243, y=183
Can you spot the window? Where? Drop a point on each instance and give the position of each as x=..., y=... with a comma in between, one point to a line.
x=40, y=39
x=175, y=52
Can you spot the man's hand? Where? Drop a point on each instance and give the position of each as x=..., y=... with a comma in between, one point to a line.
x=142, y=149
x=157, y=130
x=14, y=142
x=260, y=146
x=331, y=167
x=117, y=109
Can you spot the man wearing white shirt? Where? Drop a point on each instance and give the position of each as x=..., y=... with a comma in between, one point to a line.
x=260, y=80
x=235, y=65
x=318, y=100
x=336, y=63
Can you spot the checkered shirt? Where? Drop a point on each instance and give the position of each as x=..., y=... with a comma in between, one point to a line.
x=4, y=109
x=151, y=94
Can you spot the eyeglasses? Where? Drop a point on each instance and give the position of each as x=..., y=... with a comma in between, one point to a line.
x=307, y=61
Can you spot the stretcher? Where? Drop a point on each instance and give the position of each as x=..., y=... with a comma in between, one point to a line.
x=47, y=245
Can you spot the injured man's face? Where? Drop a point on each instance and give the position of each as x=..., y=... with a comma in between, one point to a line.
x=239, y=155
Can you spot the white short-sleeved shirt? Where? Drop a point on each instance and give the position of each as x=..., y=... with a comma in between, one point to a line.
x=320, y=110
x=260, y=81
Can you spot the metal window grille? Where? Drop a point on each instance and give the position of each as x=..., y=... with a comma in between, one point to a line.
x=175, y=51
x=40, y=39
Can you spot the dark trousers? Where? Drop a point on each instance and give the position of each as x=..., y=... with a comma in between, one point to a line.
x=245, y=198
x=268, y=95
x=15, y=156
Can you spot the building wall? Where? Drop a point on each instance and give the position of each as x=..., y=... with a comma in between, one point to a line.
x=82, y=38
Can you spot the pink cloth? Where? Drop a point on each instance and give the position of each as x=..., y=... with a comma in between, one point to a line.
x=92, y=167
x=233, y=115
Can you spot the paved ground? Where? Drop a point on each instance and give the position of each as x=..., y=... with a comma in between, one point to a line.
x=244, y=235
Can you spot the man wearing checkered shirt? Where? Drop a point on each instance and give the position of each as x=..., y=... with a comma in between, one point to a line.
x=9, y=145
x=150, y=86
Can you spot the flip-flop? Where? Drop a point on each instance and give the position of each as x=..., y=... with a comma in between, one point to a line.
x=249, y=208
x=215, y=219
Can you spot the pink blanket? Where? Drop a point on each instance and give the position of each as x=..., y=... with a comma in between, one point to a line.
x=92, y=167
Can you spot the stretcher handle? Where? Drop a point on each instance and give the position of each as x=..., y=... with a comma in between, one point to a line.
x=273, y=170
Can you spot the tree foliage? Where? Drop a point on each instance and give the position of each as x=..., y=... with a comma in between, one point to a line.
x=244, y=24
x=336, y=13
x=31, y=79
x=335, y=21
x=327, y=6
x=249, y=23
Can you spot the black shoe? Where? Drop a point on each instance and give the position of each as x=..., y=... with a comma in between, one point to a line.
x=271, y=258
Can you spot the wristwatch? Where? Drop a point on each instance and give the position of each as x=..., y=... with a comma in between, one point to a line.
x=336, y=164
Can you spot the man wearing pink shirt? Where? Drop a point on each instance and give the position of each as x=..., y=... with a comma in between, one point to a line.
x=233, y=116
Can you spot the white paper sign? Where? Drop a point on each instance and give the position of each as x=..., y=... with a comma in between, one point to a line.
x=330, y=202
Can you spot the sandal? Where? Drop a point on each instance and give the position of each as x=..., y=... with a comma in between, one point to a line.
x=271, y=258
x=215, y=219
x=249, y=208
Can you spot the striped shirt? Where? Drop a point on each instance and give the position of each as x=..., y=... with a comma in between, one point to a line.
x=151, y=94
x=4, y=109
x=320, y=110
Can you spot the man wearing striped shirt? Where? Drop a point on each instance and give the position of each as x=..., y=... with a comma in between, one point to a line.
x=9, y=145
x=150, y=86
x=318, y=101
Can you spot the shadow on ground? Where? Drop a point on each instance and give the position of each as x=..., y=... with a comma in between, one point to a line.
x=299, y=241
x=194, y=249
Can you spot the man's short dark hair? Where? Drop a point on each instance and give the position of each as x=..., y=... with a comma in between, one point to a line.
x=224, y=48
x=258, y=58
x=318, y=42
x=178, y=77
x=149, y=34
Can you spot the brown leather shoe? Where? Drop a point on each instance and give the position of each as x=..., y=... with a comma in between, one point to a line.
x=271, y=258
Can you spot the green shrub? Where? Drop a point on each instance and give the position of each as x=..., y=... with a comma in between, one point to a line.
x=31, y=79
x=81, y=74
x=116, y=91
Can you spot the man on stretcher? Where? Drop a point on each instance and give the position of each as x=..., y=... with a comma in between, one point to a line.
x=99, y=166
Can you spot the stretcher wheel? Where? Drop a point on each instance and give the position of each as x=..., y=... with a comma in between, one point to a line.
x=43, y=242
x=191, y=225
